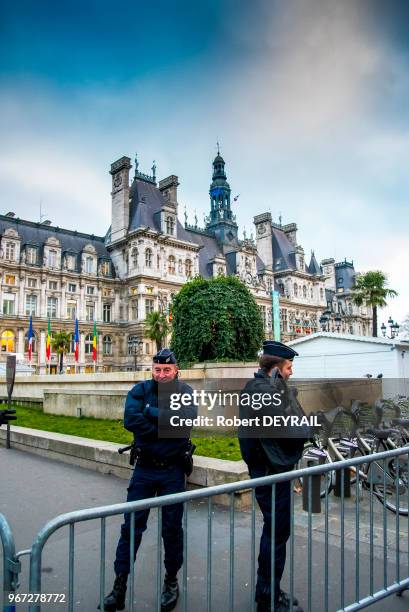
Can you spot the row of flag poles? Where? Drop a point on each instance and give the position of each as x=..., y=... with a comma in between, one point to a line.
x=30, y=337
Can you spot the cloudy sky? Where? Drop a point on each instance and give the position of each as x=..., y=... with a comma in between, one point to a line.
x=308, y=98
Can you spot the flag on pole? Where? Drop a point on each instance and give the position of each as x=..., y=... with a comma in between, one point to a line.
x=94, y=343
x=48, y=342
x=76, y=340
x=236, y=198
x=30, y=338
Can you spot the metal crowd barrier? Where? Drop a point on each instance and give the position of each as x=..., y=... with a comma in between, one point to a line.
x=390, y=584
x=11, y=565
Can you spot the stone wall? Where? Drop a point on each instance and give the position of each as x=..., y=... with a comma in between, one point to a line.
x=103, y=395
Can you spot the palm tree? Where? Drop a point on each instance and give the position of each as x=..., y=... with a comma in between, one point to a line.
x=371, y=289
x=157, y=328
x=61, y=343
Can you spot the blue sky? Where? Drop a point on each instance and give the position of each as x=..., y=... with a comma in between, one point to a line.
x=307, y=98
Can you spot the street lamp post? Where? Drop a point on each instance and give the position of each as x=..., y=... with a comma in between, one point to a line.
x=134, y=347
x=326, y=318
x=394, y=327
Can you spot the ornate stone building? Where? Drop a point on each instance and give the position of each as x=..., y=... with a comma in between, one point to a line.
x=144, y=259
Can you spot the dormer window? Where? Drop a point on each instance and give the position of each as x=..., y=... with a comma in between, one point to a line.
x=31, y=255
x=105, y=268
x=70, y=260
x=170, y=225
x=10, y=251
x=52, y=258
x=89, y=265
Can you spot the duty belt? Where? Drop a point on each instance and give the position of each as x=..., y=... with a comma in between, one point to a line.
x=152, y=462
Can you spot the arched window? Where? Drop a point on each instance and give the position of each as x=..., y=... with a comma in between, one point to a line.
x=72, y=343
x=148, y=258
x=171, y=264
x=312, y=293
x=107, y=345
x=170, y=225
x=322, y=293
x=89, y=339
x=7, y=341
x=34, y=346
x=134, y=257
x=295, y=290
x=188, y=268
x=304, y=291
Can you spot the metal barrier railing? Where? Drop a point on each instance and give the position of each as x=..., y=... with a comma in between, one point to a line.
x=374, y=593
x=11, y=565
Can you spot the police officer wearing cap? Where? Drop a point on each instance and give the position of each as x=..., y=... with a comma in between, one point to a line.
x=266, y=455
x=160, y=469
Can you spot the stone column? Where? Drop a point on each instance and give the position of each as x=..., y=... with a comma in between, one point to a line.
x=141, y=307
x=43, y=299
x=100, y=358
x=98, y=306
x=41, y=352
x=82, y=352
x=20, y=310
x=20, y=341
x=115, y=314
x=63, y=301
x=81, y=305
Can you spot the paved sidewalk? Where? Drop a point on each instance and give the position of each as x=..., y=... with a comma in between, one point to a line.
x=34, y=490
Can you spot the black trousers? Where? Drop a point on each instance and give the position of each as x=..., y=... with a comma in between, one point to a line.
x=145, y=483
x=282, y=530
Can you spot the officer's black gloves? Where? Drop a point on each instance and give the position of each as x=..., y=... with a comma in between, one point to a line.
x=151, y=413
x=6, y=416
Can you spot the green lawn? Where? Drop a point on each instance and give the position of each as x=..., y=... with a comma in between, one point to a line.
x=113, y=431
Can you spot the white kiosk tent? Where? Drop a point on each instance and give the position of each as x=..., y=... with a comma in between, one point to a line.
x=333, y=355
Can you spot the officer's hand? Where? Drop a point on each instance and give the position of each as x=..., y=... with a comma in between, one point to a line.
x=151, y=412
x=6, y=416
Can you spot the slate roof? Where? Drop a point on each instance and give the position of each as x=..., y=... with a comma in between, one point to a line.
x=283, y=251
x=344, y=275
x=37, y=234
x=209, y=250
x=313, y=267
x=146, y=203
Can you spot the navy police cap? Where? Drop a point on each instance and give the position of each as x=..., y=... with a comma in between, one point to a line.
x=165, y=355
x=278, y=349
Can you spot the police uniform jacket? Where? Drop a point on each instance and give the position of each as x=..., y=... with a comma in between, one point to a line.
x=141, y=418
x=285, y=447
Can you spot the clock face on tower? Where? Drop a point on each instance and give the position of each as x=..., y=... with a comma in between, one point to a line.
x=118, y=180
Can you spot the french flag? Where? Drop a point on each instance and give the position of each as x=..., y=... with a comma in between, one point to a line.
x=76, y=340
x=30, y=339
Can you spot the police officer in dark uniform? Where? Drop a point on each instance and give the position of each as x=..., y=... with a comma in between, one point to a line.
x=160, y=469
x=6, y=416
x=272, y=455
